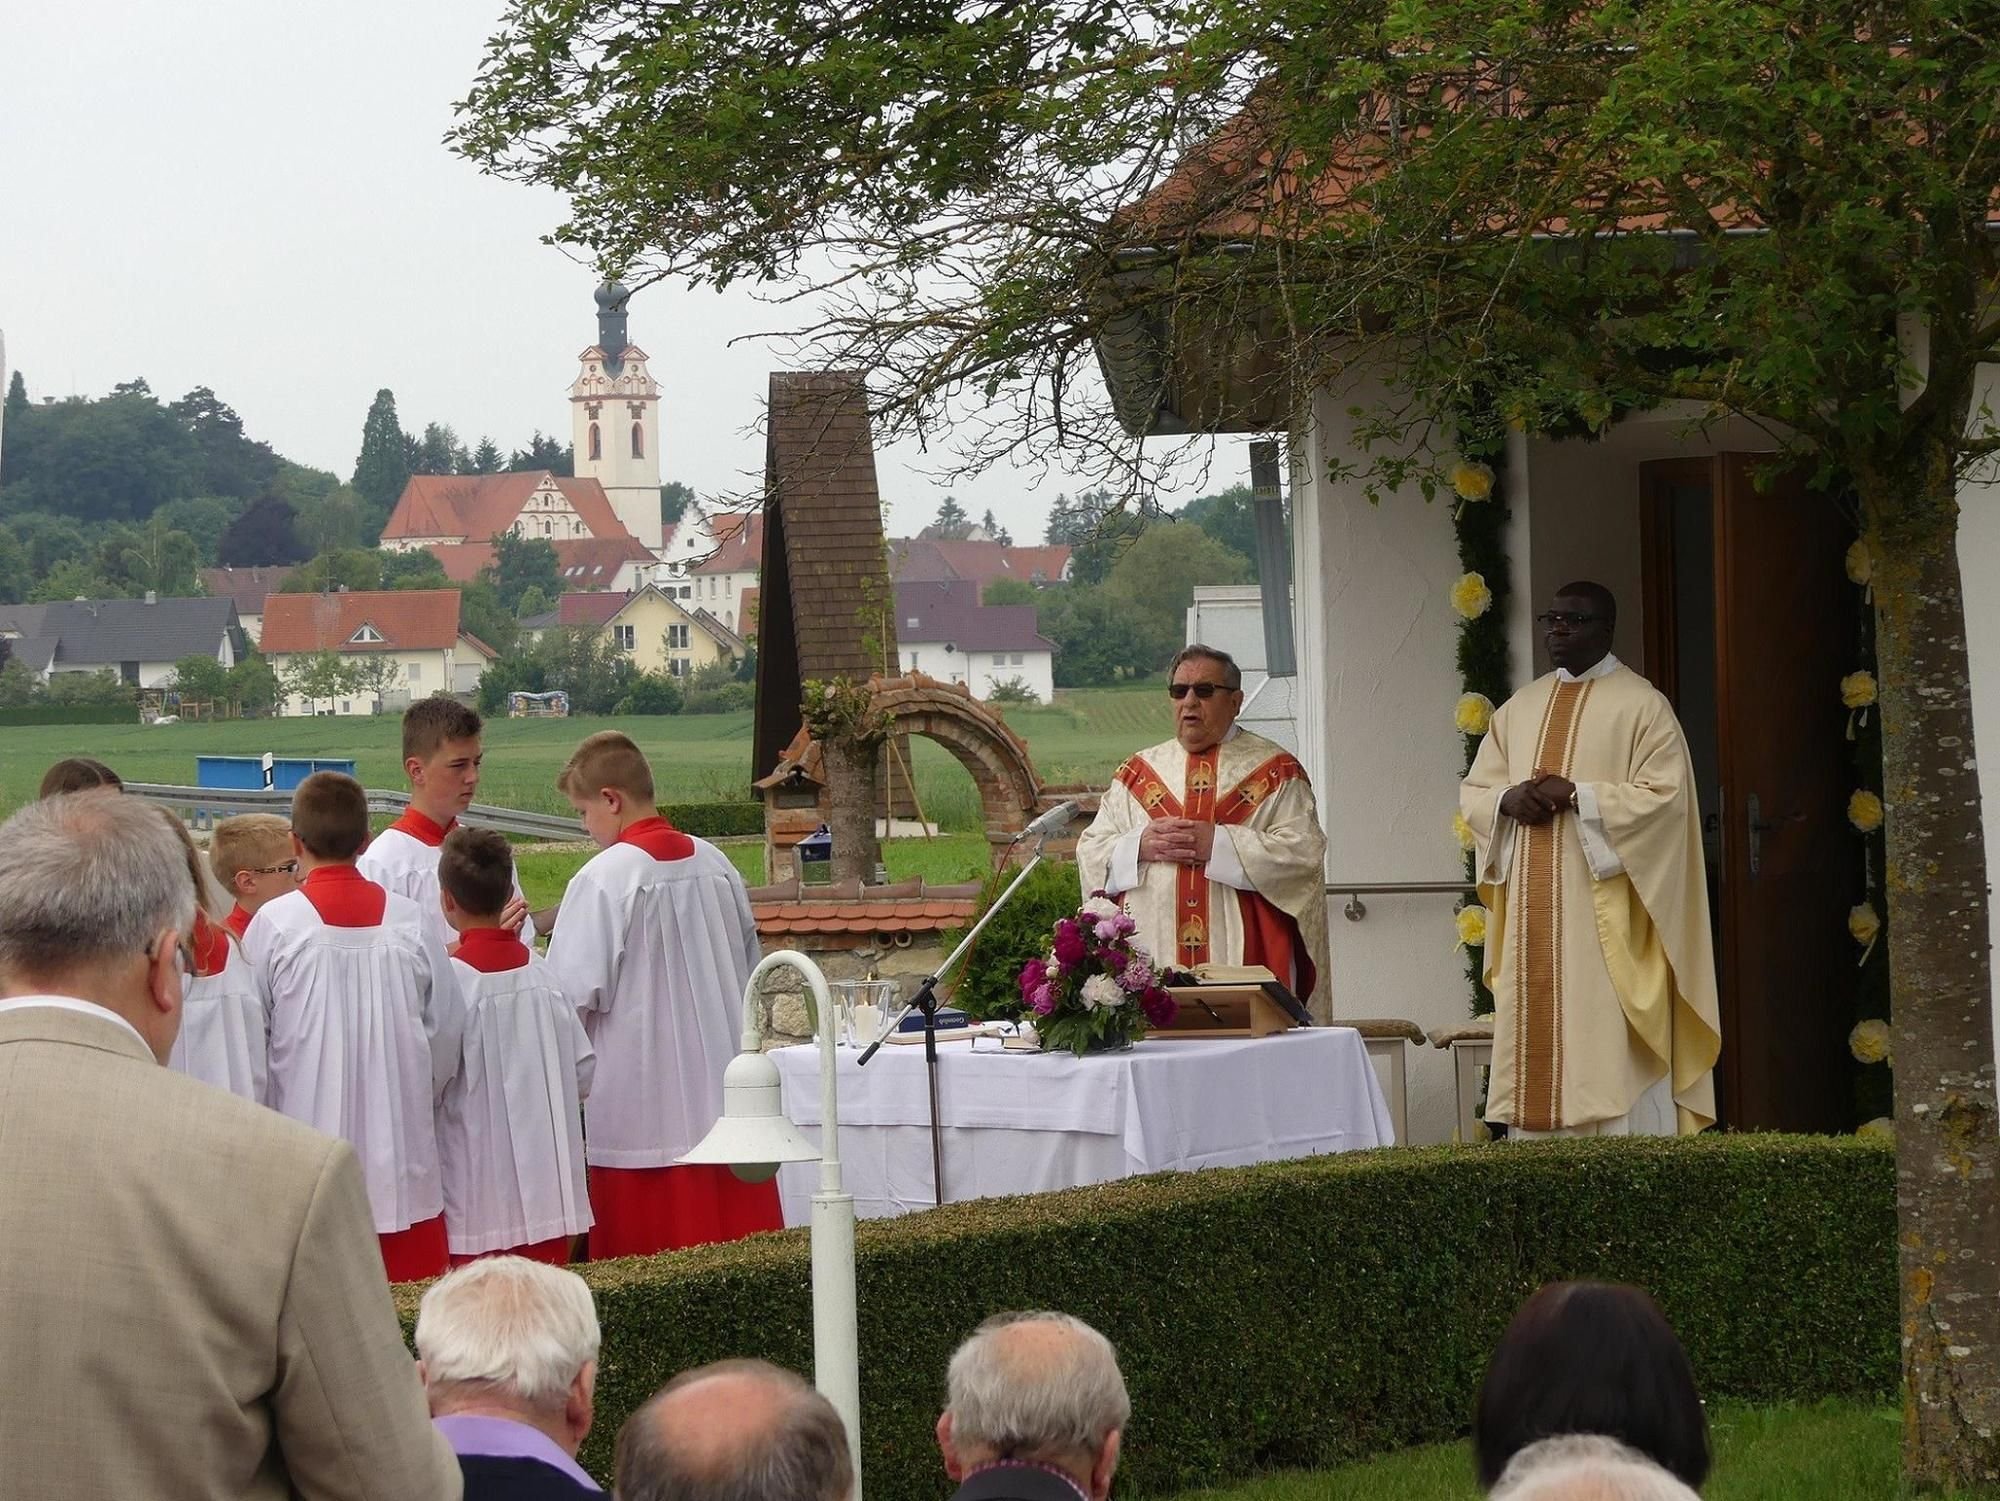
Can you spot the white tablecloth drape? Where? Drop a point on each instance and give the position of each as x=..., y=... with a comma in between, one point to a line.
x=1017, y=1123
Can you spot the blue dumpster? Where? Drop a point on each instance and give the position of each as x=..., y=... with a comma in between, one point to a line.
x=287, y=771
x=242, y=773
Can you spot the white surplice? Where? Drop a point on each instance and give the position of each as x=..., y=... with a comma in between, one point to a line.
x=510, y=1126
x=402, y=863
x=365, y=1034
x=656, y=954
x=223, y=1038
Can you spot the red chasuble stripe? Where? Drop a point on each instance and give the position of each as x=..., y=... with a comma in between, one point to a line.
x=422, y=828
x=238, y=921
x=345, y=898
x=491, y=951
x=641, y=1210
x=657, y=838
x=211, y=947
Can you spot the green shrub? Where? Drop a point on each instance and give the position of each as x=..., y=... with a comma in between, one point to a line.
x=725, y=698
x=1306, y=1313
x=651, y=693
x=716, y=820
x=1022, y=931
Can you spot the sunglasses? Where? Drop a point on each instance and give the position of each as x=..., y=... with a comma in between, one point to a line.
x=1202, y=691
x=1548, y=620
x=283, y=868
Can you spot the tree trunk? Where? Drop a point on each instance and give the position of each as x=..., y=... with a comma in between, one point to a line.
x=851, y=802
x=1947, y=1150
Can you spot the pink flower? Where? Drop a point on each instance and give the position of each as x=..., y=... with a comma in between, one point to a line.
x=1107, y=929
x=1070, y=946
x=1042, y=1000
x=1126, y=924
x=1137, y=975
x=1033, y=973
x=1160, y=1008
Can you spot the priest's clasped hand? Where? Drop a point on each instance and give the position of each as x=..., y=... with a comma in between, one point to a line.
x=1538, y=799
x=1177, y=841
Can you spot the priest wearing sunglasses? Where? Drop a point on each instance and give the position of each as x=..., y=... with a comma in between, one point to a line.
x=1212, y=842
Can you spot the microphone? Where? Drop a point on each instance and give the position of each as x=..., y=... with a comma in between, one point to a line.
x=1050, y=822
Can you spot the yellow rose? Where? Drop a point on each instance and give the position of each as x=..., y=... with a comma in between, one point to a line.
x=1462, y=832
x=1857, y=690
x=1869, y=1041
x=1864, y=922
x=1860, y=563
x=1471, y=481
x=1473, y=714
x=1470, y=596
x=1472, y=926
x=1864, y=811
x=1882, y=1128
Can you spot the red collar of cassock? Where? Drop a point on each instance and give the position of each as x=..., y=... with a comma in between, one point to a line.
x=345, y=898
x=211, y=947
x=491, y=951
x=423, y=828
x=238, y=921
x=657, y=838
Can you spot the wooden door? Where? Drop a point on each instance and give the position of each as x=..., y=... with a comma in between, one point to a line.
x=1784, y=637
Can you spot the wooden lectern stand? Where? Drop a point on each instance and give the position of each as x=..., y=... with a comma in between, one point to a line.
x=1238, y=1002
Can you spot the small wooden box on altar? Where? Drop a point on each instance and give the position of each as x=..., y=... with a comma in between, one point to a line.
x=1233, y=1001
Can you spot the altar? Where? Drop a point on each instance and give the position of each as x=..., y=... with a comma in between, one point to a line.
x=1019, y=1123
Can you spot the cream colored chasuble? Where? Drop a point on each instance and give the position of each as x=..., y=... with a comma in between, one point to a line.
x=1598, y=949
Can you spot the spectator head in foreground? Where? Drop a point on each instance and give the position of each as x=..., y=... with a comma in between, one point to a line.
x=738, y=1430
x=1586, y=1467
x=1033, y=1392
x=1591, y=1358
x=79, y=774
x=507, y=1341
x=96, y=905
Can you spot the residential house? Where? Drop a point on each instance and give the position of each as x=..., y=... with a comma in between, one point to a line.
x=922, y=560
x=731, y=568
x=455, y=517
x=942, y=629
x=139, y=639
x=658, y=631
x=247, y=587
x=575, y=608
x=414, y=634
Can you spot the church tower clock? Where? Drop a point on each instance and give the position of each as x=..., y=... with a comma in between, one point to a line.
x=615, y=420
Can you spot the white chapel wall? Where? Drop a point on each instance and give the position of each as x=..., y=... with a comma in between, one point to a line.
x=1978, y=558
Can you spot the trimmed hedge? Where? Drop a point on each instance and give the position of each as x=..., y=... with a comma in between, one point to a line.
x=1308, y=1313
x=716, y=820
x=41, y=714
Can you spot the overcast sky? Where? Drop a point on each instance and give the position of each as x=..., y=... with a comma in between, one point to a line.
x=254, y=197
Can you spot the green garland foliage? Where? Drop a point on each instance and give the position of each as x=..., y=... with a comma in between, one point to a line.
x=1312, y=1312
x=1023, y=930
x=1483, y=667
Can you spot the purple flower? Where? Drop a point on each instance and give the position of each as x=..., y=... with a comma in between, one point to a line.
x=1070, y=947
x=1126, y=924
x=1160, y=1008
x=1033, y=973
x=1042, y=1000
x=1107, y=929
x=1138, y=975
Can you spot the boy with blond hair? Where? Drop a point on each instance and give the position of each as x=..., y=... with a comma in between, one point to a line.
x=251, y=855
x=442, y=755
x=655, y=946
x=510, y=1126
x=365, y=1020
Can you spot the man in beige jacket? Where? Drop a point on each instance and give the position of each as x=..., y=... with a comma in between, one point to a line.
x=191, y=1300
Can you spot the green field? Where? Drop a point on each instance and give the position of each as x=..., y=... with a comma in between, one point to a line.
x=696, y=758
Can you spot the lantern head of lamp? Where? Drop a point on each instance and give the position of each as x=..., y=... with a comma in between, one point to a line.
x=752, y=1136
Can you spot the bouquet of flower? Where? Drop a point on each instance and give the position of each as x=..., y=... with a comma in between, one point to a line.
x=1097, y=988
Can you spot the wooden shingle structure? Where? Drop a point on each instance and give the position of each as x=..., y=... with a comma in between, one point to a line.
x=826, y=609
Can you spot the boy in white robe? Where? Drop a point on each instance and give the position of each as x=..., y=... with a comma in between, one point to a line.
x=655, y=946
x=365, y=1020
x=442, y=754
x=510, y=1126
x=251, y=855
x=222, y=1038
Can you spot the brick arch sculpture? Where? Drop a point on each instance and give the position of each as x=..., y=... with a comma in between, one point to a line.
x=979, y=740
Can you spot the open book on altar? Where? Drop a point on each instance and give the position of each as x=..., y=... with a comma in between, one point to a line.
x=1233, y=1000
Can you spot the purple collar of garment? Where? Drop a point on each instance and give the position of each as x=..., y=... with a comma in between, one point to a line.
x=503, y=1438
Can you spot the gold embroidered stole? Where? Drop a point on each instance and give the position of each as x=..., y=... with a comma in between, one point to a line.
x=1538, y=936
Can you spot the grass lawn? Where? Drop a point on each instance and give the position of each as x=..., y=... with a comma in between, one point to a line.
x=1834, y=1451
x=941, y=861
x=696, y=757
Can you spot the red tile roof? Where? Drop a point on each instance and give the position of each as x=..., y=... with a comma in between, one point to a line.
x=478, y=507
x=923, y=560
x=596, y=560
x=863, y=919
x=739, y=538
x=952, y=612
x=405, y=619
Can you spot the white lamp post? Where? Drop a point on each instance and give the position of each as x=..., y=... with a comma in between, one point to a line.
x=753, y=1137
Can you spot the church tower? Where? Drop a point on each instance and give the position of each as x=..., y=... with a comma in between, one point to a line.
x=615, y=420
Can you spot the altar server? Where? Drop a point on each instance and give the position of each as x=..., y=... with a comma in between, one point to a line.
x=1212, y=841
x=656, y=945
x=442, y=754
x=365, y=1020
x=510, y=1127
x=222, y=1038
x=251, y=855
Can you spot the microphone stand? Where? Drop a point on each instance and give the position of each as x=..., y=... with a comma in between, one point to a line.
x=926, y=1001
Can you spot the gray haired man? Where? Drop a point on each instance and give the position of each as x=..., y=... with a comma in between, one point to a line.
x=1035, y=1410
x=1586, y=1467
x=738, y=1430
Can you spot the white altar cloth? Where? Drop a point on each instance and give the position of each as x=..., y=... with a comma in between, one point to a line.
x=1017, y=1123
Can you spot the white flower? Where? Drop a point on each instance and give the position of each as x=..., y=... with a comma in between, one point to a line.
x=1100, y=907
x=1102, y=991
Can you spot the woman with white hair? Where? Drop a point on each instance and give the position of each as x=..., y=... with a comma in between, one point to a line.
x=1586, y=1467
x=507, y=1348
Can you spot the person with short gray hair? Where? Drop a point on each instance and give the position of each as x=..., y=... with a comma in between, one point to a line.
x=1035, y=1410
x=737, y=1430
x=1587, y=1467
x=507, y=1348
x=207, y=1308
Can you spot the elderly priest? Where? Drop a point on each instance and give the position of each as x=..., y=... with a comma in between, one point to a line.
x=1212, y=842
x=1588, y=842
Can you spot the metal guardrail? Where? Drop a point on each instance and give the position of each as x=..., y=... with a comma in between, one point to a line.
x=1356, y=909
x=227, y=800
